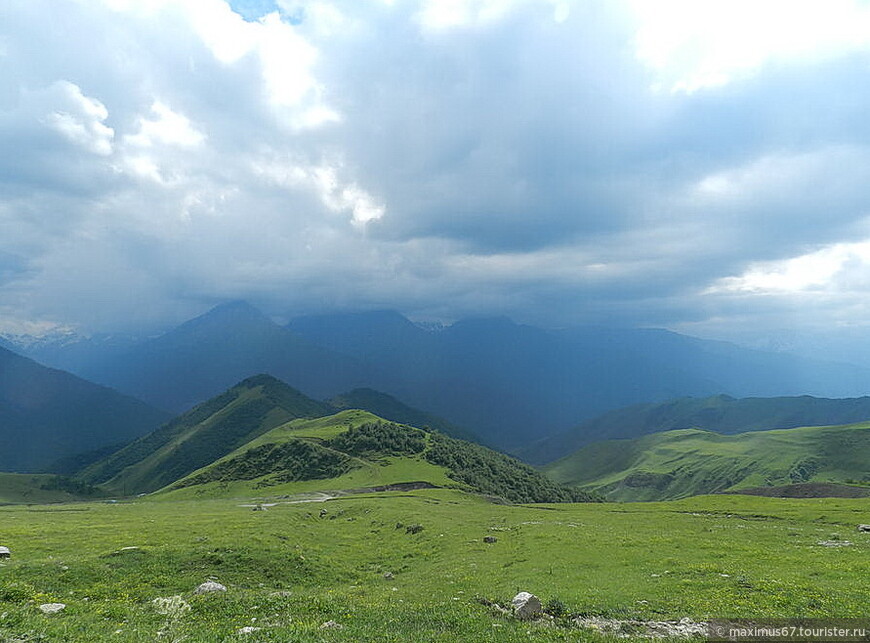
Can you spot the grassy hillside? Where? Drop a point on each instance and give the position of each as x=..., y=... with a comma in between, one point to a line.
x=719, y=413
x=28, y=488
x=676, y=464
x=293, y=568
x=354, y=449
x=46, y=414
x=202, y=435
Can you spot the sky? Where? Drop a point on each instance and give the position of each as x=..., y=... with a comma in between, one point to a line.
x=699, y=165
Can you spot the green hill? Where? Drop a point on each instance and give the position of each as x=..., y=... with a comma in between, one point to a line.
x=202, y=435
x=355, y=449
x=719, y=413
x=389, y=408
x=676, y=464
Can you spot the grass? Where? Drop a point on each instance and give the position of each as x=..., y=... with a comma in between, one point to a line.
x=31, y=488
x=290, y=569
x=681, y=463
x=369, y=474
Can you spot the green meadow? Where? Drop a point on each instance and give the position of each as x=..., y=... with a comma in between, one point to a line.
x=353, y=560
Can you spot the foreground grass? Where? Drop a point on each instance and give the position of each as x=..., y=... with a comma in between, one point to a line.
x=289, y=569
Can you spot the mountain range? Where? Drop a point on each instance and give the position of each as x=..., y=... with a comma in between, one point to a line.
x=510, y=384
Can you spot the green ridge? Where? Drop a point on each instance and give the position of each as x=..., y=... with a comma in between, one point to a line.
x=677, y=464
x=202, y=435
x=354, y=449
x=720, y=413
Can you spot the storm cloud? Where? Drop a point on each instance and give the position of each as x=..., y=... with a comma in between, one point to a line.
x=700, y=166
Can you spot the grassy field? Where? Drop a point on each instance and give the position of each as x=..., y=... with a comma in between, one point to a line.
x=290, y=569
x=677, y=464
x=32, y=488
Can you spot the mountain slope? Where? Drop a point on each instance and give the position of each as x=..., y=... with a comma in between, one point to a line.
x=720, y=413
x=46, y=414
x=210, y=353
x=353, y=449
x=676, y=464
x=202, y=435
x=515, y=384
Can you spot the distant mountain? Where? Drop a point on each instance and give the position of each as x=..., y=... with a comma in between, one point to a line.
x=46, y=414
x=389, y=408
x=358, y=450
x=676, y=464
x=514, y=384
x=720, y=413
x=510, y=384
x=210, y=353
x=202, y=435
x=72, y=352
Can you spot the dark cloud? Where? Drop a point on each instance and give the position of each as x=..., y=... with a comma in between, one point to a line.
x=160, y=157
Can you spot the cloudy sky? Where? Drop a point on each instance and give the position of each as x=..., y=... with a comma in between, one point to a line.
x=697, y=165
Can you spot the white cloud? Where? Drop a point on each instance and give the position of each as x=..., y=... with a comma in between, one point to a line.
x=285, y=58
x=164, y=127
x=696, y=44
x=336, y=194
x=78, y=118
x=825, y=269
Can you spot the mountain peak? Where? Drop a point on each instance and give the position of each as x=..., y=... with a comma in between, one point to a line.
x=228, y=315
x=237, y=308
x=263, y=379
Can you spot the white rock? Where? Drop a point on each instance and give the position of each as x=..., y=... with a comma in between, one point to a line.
x=526, y=606
x=249, y=630
x=332, y=625
x=208, y=587
x=52, y=608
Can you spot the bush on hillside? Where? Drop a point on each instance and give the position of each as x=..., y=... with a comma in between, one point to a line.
x=497, y=474
x=384, y=438
x=290, y=461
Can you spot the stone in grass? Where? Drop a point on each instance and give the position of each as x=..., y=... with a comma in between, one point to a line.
x=209, y=587
x=388, y=575
x=860, y=528
x=526, y=606
x=52, y=608
x=490, y=539
x=249, y=629
x=332, y=625
x=413, y=529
